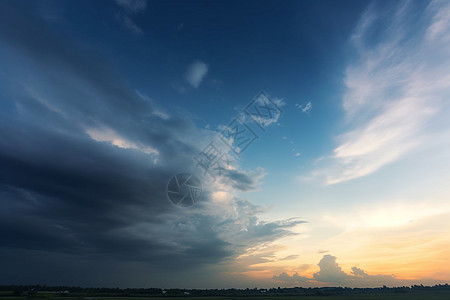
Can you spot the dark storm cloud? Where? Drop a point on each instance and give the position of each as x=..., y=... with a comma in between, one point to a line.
x=60, y=176
x=65, y=191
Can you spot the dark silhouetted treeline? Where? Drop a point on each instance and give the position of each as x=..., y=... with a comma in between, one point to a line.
x=43, y=291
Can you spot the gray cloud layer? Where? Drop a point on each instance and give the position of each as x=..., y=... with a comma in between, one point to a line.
x=73, y=200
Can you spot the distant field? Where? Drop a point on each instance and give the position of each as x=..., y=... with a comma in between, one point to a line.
x=392, y=296
x=408, y=296
x=425, y=296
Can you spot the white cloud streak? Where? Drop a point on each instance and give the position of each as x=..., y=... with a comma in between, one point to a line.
x=130, y=24
x=104, y=134
x=304, y=108
x=307, y=107
x=393, y=90
x=131, y=7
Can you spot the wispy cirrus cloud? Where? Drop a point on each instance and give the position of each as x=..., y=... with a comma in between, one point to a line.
x=130, y=8
x=304, y=107
x=398, y=83
x=128, y=22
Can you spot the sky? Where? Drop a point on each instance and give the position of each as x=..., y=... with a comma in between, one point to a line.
x=220, y=144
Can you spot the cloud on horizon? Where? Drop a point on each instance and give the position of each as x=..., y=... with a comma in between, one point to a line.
x=332, y=274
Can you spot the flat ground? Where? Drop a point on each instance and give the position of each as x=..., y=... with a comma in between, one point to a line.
x=438, y=295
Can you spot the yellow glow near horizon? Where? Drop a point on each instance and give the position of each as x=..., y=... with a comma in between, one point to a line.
x=408, y=241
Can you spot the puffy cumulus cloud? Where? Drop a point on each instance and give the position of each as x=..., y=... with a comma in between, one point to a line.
x=295, y=278
x=85, y=163
x=330, y=273
x=395, y=88
x=360, y=275
x=195, y=73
